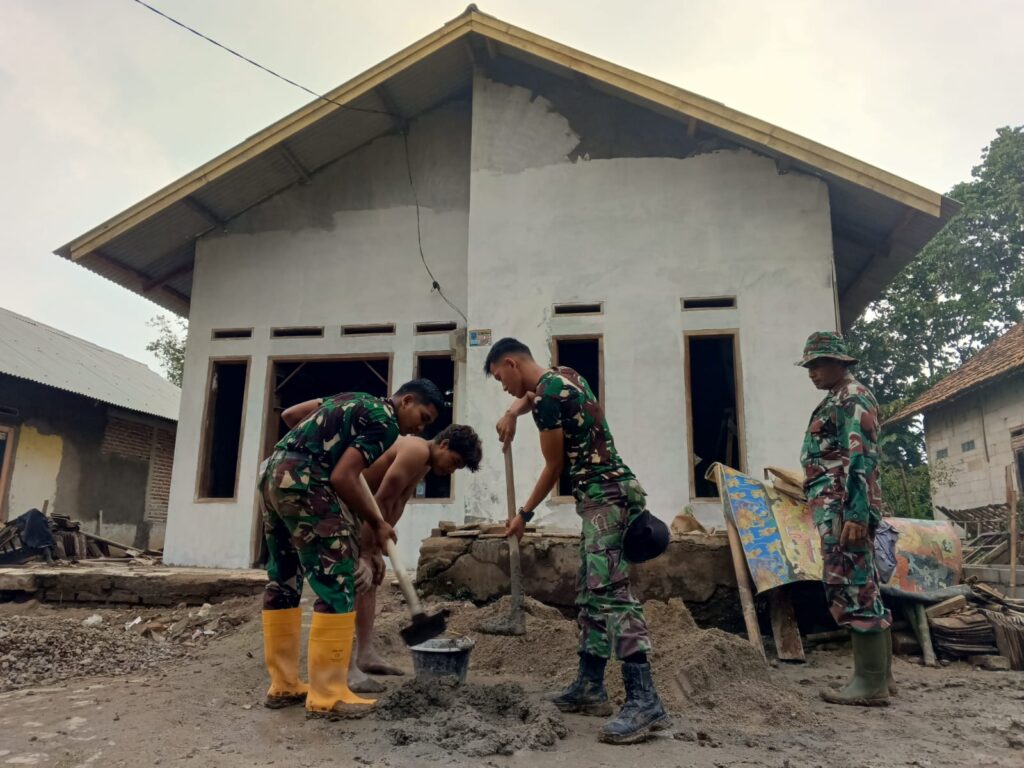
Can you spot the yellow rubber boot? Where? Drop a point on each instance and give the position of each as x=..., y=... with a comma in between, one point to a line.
x=330, y=650
x=282, y=636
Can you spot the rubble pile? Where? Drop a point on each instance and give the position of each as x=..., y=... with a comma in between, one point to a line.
x=47, y=650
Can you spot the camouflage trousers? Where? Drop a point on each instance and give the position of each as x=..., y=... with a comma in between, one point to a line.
x=309, y=534
x=851, y=581
x=610, y=618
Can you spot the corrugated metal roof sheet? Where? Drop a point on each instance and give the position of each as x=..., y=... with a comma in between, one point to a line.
x=39, y=353
x=1002, y=357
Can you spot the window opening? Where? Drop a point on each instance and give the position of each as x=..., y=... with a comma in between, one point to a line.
x=966, y=447
x=440, y=369
x=713, y=403
x=222, y=429
x=297, y=332
x=942, y=453
x=232, y=333
x=596, y=308
x=434, y=327
x=584, y=357
x=367, y=330
x=710, y=302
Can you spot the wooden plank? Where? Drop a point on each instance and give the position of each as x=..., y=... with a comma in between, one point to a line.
x=739, y=564
x=946, y=607
x=1011, y=501
x=925, y=636
x=788, y=646
x=463, y=534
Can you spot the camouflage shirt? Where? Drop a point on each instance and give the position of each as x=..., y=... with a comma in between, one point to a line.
x=307, y=454
x=840, y=456
x=564, y=399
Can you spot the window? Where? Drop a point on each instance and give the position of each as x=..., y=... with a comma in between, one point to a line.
x=297, y=332
x=422, y=328
x=967, y=447
x=1017, y=446
x=222, y=429
x=232, y=333
x=709, y=302
x=714, y=411
x=367, y=330
x=440, y=369
x=583, y=355
x=942, y=453
x=596, y=308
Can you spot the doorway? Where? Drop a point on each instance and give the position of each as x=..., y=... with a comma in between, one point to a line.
x=584, y=354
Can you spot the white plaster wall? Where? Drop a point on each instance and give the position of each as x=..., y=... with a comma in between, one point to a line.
x=986, y=417
x=342, y=250
x=638, y=234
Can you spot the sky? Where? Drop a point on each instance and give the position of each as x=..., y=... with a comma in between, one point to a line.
x=103, y=102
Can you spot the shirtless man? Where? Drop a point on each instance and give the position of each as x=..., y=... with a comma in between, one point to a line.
x=393, y=479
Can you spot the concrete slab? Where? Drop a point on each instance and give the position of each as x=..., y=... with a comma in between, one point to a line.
x=132, y=585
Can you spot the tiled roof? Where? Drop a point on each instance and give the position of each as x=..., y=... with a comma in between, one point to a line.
x=39, y=353
x=1002, y=357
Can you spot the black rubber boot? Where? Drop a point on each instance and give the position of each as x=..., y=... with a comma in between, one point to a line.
x=869, y=687
x=586, y=695
x=643, y=711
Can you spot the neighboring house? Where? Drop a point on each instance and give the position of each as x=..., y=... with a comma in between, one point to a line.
x=675, y=251
x=974, y=425
x=84, y=431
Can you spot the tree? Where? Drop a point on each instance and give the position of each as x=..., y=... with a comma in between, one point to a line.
x=963, y=291
x=169, y=345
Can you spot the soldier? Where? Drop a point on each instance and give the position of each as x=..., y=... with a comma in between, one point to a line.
x=311, y=496
x=573, y=430
x=393, y=479
x=840, y=462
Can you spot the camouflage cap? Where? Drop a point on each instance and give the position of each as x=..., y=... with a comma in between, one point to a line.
x=826, y=344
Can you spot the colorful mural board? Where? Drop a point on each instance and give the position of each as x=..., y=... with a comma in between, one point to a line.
x=781, y=544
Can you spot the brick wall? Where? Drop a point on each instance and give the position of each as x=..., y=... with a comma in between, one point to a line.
x=160, y=475
x=127, y=439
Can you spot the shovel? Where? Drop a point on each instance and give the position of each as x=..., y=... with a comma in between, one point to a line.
x=423, y=627
x=515, y=622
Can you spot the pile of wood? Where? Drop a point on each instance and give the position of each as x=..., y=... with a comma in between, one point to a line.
x=1006, y=615
x=72, y=543
x=985, y=624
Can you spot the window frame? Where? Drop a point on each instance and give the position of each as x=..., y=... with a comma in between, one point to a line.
x=206, y=432
x=555, y=497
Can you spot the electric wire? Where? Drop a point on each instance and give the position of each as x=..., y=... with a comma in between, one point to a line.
x=435, y=285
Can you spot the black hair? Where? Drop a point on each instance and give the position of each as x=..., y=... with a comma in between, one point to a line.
x=464, y=440
x=424, y=391
x=504, y=348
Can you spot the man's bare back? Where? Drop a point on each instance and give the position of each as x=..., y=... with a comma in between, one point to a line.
x=394, y=476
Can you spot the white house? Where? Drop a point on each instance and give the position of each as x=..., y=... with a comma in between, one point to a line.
x=674, y=250
x=974, y=427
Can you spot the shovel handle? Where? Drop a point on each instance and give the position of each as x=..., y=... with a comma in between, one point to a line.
x=510, y=483
x=411, y=598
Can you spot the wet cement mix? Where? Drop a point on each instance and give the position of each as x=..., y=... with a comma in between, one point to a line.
x=472, y=719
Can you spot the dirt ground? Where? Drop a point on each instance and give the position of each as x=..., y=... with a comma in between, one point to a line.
x=203, y=707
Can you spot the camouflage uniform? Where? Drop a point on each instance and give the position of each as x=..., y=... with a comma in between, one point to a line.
x=608, y=498
x=840, y=462
x=307, y=528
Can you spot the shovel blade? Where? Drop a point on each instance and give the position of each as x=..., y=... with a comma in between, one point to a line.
x=425, y=627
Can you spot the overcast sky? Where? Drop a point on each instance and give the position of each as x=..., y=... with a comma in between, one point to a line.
x=103, y=103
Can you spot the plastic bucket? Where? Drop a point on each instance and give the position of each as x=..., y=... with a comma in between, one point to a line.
x=443, y=657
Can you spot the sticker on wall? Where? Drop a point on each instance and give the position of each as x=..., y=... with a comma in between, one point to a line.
x=480, y=338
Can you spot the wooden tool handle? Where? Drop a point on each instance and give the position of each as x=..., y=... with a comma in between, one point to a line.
x=510, y=483
x=411, y=598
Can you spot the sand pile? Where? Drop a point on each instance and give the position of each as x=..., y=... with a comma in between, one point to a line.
x=706, y=674
x=473, y=719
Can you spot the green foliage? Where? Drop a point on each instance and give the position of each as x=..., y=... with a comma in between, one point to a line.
x=169, y=346
x=963, y=291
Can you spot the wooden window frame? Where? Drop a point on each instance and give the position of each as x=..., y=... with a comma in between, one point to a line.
x=5, y=467
x=554, y=497
x=733, y=333
x=455, y=405
x=206, y=434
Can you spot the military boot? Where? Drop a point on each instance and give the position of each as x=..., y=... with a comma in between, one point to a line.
x=643, y=711
x=586, y=694
x=868, y=688
x=891, y=681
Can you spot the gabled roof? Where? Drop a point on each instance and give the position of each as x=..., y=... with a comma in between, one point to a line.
x=880, y=221
x=39, y=353
x=1002, y=357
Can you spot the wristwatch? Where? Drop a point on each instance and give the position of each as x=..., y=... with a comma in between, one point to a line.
x=527, y=516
